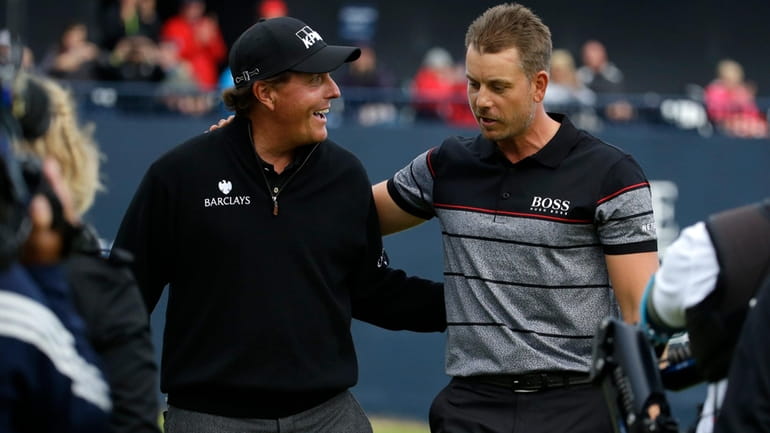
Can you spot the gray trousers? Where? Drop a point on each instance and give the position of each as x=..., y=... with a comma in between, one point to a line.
x=340, y=414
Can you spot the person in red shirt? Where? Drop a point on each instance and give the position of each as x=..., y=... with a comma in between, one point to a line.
x=199, y=40
x=731, y=105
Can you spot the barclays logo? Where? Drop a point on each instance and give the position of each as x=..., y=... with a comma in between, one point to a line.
x=225, y=186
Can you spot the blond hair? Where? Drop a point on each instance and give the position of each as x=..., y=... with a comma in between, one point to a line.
x=71, y=145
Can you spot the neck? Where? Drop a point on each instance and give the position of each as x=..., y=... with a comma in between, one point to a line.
x=271, y=148
x=539, y=133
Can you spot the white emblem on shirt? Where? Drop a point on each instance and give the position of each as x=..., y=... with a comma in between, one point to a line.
x=225, y=186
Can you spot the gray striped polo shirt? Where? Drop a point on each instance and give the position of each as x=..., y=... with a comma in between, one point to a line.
x=525, y=276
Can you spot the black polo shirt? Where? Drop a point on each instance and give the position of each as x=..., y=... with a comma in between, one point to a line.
x=525, y=275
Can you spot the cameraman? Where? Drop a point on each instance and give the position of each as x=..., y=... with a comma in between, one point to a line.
x=709, y=278
x=49, y=379
x=104, y=290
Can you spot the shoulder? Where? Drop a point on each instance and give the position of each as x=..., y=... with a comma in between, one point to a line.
x=461, y=147
x=331, y=153
x=197, y=153
x=594, y=146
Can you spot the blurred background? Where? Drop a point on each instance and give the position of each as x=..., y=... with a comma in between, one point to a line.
x=683, y=86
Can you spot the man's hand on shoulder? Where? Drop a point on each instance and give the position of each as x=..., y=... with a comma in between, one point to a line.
x=221, y=123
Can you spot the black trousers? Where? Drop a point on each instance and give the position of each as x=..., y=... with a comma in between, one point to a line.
x=471, y=407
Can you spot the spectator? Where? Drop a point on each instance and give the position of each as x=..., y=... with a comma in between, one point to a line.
x=730, y=103
x=178, y=90
x=200, y=41
x=361, y=80
x=104, y=291
x=27, y=56
x=566, y=91
x=74, y=57
x=272, y=9
x=567, y=94
x=135, y=58
x=435, y=85
x=50, y=379
x=599, y=74
x=129, y=18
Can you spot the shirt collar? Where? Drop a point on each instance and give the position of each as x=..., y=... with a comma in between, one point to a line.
x=551, y=155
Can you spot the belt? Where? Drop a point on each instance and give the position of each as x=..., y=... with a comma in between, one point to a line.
x=532, y=381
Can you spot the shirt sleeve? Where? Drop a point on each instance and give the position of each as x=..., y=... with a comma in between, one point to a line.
x=388, y=298
x=624, y=217
x=688, y=274
x=146, y=232
x=412, y=186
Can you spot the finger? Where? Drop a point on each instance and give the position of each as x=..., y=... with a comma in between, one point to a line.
x=52, y=172
x=222, y=122
x=40, y=213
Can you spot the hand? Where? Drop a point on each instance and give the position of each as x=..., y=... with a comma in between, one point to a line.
x=221, y=123
x=46, y=244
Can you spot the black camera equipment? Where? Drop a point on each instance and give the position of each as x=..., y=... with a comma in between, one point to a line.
x=626, y=367
x=24, y=114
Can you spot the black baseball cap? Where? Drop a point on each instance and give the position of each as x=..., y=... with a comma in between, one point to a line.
x=281, y=44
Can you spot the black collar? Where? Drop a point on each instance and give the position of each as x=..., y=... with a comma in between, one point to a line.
x=551, y=155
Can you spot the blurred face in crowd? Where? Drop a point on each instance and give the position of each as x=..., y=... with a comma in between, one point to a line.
x=301, y=104
x=594, y=55
x=500, y=94
x=74, y=36
x=193, y=10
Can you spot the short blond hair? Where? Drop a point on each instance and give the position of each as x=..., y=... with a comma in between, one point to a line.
x=511, y=25
x=71, y=145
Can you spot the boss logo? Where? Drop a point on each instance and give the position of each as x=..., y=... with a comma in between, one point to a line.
x=554, y=205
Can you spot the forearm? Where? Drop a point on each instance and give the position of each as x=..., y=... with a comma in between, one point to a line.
x=398, y=302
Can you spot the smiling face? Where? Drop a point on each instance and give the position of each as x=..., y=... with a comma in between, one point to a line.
x=300, y=105
x=500, y=94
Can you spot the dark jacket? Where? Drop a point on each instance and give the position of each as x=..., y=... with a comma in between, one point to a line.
x=741, y=239
x=107, y=297
x=50, y=378
x=259, y=310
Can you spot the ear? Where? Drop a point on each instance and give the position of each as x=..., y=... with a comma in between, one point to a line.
x=264, y=94
x=539, y=84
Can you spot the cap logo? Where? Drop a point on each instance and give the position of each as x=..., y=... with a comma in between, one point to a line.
x=308, y=36
x=245, y=76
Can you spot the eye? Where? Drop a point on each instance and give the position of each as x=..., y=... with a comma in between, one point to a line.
x=473, y=84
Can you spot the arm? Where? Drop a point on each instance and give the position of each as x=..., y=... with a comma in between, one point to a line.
x=109, y=301
x=146, y=233
x=686, y=277
x=392, y=218
x=629, y=274
x=386, y=297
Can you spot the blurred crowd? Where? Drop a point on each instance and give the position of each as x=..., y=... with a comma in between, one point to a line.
x=180, y=63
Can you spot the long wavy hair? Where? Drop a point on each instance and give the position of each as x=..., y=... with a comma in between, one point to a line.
x=70, y=144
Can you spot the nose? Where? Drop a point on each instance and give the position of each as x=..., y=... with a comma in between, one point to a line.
x=482, y=98
x=334, y=90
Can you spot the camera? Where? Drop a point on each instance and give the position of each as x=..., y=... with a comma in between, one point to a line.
x=24, y=115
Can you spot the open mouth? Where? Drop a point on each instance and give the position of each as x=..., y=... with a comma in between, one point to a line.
x=486, y=120
x=321, y=114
